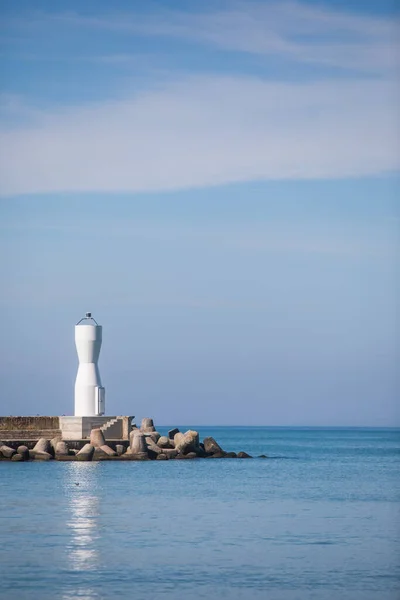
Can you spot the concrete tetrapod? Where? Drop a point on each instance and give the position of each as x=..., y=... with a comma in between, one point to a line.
x=138, y=445
x=188, y=442
x=61, y=449
x=86, y=453
x=147, y=425
x=152, y=448
x=7, y=452
x=54, y=442
x=109, y=451
x=164, y=442
x=17, y=458
x=178, y=437
x=41, y=455
x=172, y=433
x=97, y=438
x=42, y=445
x=24, y=452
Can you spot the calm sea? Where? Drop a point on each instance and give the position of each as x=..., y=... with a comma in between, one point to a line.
x=318, y=520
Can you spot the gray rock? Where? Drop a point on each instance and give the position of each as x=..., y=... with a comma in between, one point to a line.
x=211, y=446
x=230, y=455
x=17, y=458
x=243, y=455
x=147, y=425
x=163, y=442
x=120, y=449
x=187, y=442
x=61, y=448
x=109, y=451
x=43, y=445
x=263, y=456
x=7, y=452
x=97, y=438
x=86, y=453
x=161, y=457
x=172, y=433
x=24, y=452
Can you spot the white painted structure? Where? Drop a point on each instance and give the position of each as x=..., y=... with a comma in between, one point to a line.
x=89, y=393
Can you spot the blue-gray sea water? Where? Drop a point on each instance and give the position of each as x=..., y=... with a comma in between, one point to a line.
x=317, y=520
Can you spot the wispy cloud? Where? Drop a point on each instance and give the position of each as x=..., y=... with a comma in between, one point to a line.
x=189, y=130
x=293, y=30
x=205, y=131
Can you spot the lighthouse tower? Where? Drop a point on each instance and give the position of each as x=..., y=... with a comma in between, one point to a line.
x=89, y=393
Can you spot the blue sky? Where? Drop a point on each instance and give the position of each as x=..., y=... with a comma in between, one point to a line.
x=218, y=183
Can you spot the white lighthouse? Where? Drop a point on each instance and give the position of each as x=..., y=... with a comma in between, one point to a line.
x=89, y=393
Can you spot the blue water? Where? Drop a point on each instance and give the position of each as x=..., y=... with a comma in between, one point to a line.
x=318, y=520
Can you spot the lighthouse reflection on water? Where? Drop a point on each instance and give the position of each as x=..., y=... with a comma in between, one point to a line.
x=82, y=549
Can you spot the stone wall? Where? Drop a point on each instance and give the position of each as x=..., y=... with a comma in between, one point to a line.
x=29, y=423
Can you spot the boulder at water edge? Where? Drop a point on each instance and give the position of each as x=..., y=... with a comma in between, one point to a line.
x=120, y=449
x=243, y=455
x=211, y=446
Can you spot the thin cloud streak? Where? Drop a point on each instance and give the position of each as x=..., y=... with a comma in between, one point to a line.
x=289, y=29
x=205, y=131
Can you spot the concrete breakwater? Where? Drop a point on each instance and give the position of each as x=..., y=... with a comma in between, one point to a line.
x=145, y=443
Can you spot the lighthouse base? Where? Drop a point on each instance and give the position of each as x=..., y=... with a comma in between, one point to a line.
x=79, y=428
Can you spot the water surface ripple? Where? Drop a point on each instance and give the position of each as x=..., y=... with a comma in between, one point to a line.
x=320, y=521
